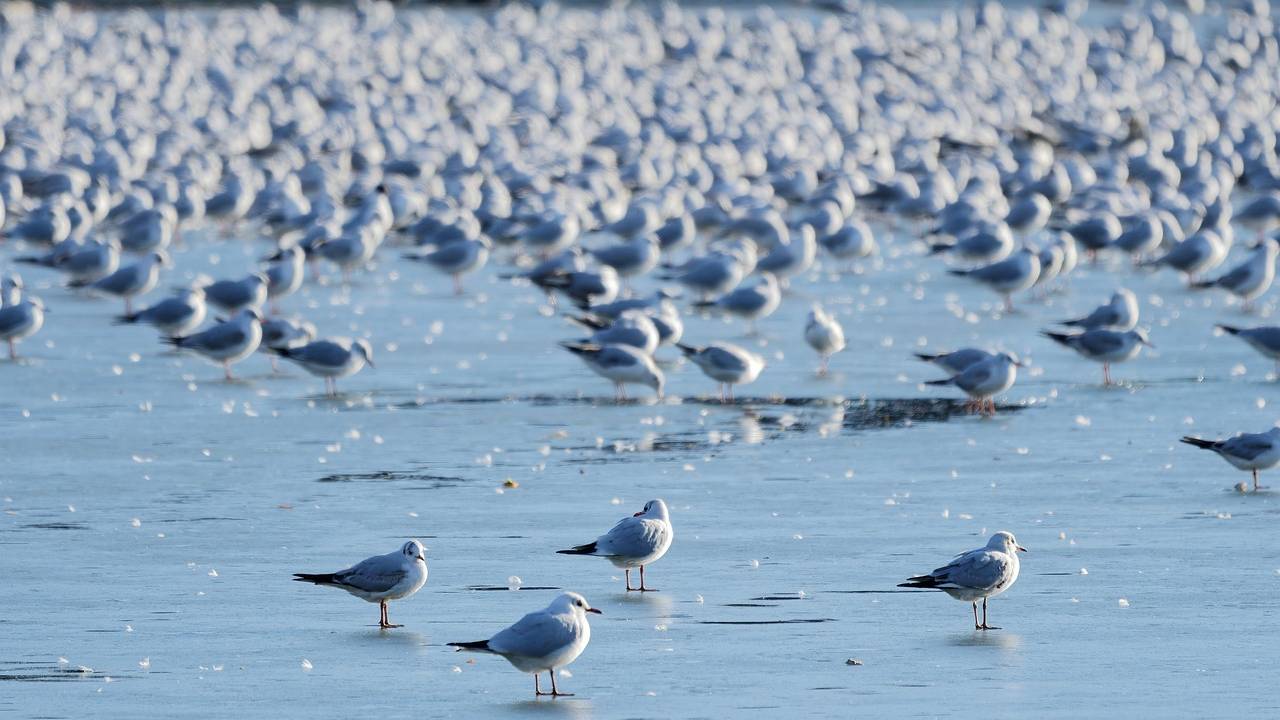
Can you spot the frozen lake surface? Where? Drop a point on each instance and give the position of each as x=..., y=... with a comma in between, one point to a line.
x=153, y=513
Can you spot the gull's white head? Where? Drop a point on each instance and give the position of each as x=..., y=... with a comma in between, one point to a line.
x=1005, y=542
x=414, y=551
x=654, y=509
x=1011, y=359
x=365, y=350
x=571, y=602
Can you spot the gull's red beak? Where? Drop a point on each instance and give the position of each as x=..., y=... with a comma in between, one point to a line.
x=638, y=514
x=593, y=610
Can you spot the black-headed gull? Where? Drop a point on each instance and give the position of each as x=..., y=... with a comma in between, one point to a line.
x=1104, y=346
x=235, y=295
x=174, y=316
x=1119, y=313
x=621, y=364
x=956, y=361
x=133, y=280
x=330, y=359
x=380, y=579
x=1015, y=273
x=20, y=321
x=725, y=363
x=1264, y=338
x=976, y=575
x=824, y=334
x=985, y=379
x=1251, y=278
x=456, y=258
x=542, y=641
x=636, y=541
x=1247, y=451
x=227, y=342
x=632, y=327
x=750, y=303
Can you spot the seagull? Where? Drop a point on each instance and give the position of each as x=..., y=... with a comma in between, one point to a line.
x=283, y=333
x=554, y=234
x=1104, y=346
x=1008, y=276
x=988, y=245
x=19, y=321
x=330, y=359
x=82, y=263
x=1096, y=233
x=1143, y=236
x=824, y=334
x=1029, y=215
x=1202, y=251
x=227, y=342
x=725, y=363
x=1120, y=313
x=851, y=242
x=1245, y=451
x=787, y=260
x=1261, y=215
x=717, y=272
x=982, y=573
x=957, y=361
x=620, y=364
x=631, y=258
x=456, y=258
x=10, y=289
x=666, y=319
x=542, y=641
x=632, y=327
x=636, y=541
x=175, y=316
x=985, y=379
x=349, y=251
x=133, y=280
x=750, y=303
x=1265, y=339
x=380, y=579
x=285, y=273
x=233, y=296
x=149, y=230
x=585, y=288
x=1251, y=278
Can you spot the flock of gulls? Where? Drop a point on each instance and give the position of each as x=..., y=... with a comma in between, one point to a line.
x=638, y=166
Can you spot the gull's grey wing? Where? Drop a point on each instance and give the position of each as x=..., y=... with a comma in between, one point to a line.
x=216, y=337
x=1100, y=342
x=120, y=280
x=375, y=575
x=169, y=310
x=708, y=271
x=1236, y=277
x=744, y=299
x=720, y=358
x=1003, y=271
x=611, y=356
x=1245, y=447
x=322, y=352
x=534, y=635
x=450, y=254
x=12, y=318
x=974, y=376
x=618, y=254
x=1105, y=315
x=632, y=537
x=980, y=569
x=1266, y=336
